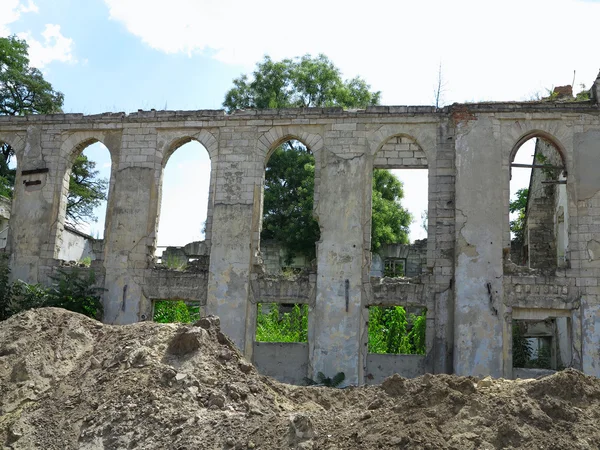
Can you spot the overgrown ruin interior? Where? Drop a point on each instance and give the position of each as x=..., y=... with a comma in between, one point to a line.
x=476, y=289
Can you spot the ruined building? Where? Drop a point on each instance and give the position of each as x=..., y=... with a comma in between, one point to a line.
x=473, y=292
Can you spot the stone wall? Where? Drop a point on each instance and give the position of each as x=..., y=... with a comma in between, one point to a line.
x=467, y=150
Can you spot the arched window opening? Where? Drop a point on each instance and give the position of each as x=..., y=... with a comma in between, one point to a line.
x=8, y=172
x=87, y=187
x=538, y=206
x=183, y=215
x=289, y=230
x=399, y=209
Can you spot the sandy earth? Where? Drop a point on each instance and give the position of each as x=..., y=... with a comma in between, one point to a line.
x=69, y=382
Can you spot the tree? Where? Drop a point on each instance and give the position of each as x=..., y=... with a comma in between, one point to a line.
x=519, y=204
x=289, y=175
x=86, y=191
x=23, y=91
x=390, y=222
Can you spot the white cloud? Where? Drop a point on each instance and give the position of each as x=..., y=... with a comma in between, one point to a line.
x=11, y=10
x=54, y=47
x=499, y=51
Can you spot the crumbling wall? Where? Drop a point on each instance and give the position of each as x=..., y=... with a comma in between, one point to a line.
x=463, y=284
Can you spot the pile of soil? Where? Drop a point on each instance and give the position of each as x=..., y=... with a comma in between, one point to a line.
x=69, y=382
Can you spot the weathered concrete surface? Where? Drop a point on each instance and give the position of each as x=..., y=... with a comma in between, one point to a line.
x=586, y=161
x=478, y=307
x=284, y=361
x=467, y=149
x=75, y=245
x=335, y=326
x=380, y=366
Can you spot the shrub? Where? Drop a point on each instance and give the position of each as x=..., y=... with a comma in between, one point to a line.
x=172, y=311
x=391, y=332
x=287, y=327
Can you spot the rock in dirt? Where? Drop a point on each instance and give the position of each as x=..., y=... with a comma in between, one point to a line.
x=69, y=382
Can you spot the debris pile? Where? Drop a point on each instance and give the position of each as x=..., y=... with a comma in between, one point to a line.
x=69, y=382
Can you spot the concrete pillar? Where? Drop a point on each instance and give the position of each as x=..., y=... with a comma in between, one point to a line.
x=334, y=336
x=478, y=288
x=236, y=212
x=35, y=206
x=127, y=243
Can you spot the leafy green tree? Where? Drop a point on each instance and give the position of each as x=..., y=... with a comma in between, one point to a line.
x=288, y=202
x=299, y=82
x=390, y=221
x=86, y=191
x=519, y=205
x=23, y=91
x=289, y=179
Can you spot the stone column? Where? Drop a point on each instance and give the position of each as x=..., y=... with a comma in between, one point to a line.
x=478, y=289
x=237, y=175
x=335, y=322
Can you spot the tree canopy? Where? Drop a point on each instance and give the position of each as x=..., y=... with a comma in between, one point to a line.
x=23, y=91
x=299, y=82
x=289, y=175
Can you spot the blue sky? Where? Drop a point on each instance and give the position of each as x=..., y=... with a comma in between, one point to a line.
x=124, y=55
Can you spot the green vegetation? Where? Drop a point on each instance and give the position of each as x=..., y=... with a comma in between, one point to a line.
x=23, y=91
x=523, y=352
x=519, y=204
x=289, y=174
x=73, y=290
x=172, y=311
x=273, y=326
x=390, y=331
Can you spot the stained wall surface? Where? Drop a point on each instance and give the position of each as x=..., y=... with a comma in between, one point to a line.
x=470, y=288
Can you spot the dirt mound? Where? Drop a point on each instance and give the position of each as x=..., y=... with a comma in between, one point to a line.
x=68, y=382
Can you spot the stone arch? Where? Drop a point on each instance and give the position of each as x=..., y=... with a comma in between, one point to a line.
x=177, y=139
x=517, y=133
x=544, y=135
x=169, y=142
x=270, y=140
x=16, y=141
x=71, y=147
x=266, y=145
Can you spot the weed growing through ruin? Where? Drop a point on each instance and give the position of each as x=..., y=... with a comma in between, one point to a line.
x=273, y=326
x=390, y=331
x=175, y=311
x=174, y=262
x=86, y=262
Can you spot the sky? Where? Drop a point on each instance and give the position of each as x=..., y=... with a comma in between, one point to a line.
x=125, y=55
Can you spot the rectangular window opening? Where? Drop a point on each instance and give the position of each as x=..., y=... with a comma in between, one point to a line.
x=541, y=344
x=397, y=330
x=285, y=322
x=399, y=222
x=176, y=311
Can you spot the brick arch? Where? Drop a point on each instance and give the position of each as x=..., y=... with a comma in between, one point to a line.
x=204, y=137
x=269, y=141
x=423, y=136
